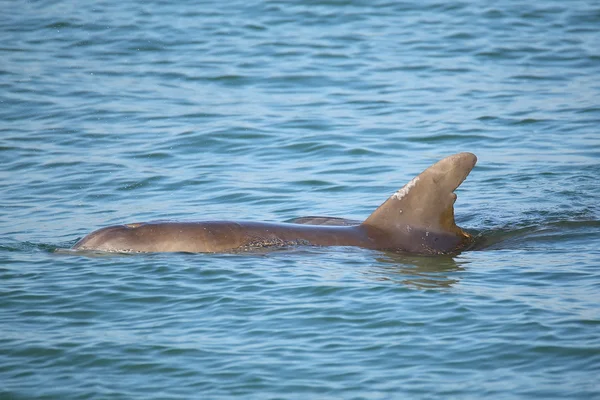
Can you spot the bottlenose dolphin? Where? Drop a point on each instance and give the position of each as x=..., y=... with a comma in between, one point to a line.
x=418, y=218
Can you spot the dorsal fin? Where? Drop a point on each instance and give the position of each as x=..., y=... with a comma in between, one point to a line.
x=426, y=203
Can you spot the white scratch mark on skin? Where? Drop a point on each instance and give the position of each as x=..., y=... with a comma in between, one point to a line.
x=399, y=195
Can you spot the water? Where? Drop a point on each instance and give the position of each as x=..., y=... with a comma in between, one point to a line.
x=119, y=112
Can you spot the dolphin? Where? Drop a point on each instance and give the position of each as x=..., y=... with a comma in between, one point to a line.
x=418, y=218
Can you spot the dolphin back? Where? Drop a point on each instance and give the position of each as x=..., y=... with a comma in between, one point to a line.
x=418, y=218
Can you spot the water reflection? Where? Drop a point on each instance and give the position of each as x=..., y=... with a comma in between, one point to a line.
x=421, y=272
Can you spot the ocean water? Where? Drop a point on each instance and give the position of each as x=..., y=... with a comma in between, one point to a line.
x=115, y=112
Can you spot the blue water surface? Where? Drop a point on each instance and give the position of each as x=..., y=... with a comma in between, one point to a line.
x=114, y=112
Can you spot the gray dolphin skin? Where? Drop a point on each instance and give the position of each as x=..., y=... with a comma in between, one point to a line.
x=418, y=218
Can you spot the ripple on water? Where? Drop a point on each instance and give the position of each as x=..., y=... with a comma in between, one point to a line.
x=121, y=112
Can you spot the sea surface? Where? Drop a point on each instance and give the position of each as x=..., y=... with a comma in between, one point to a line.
x=124, y=111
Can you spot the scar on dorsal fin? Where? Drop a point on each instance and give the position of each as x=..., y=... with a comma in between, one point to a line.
x=427, y=201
